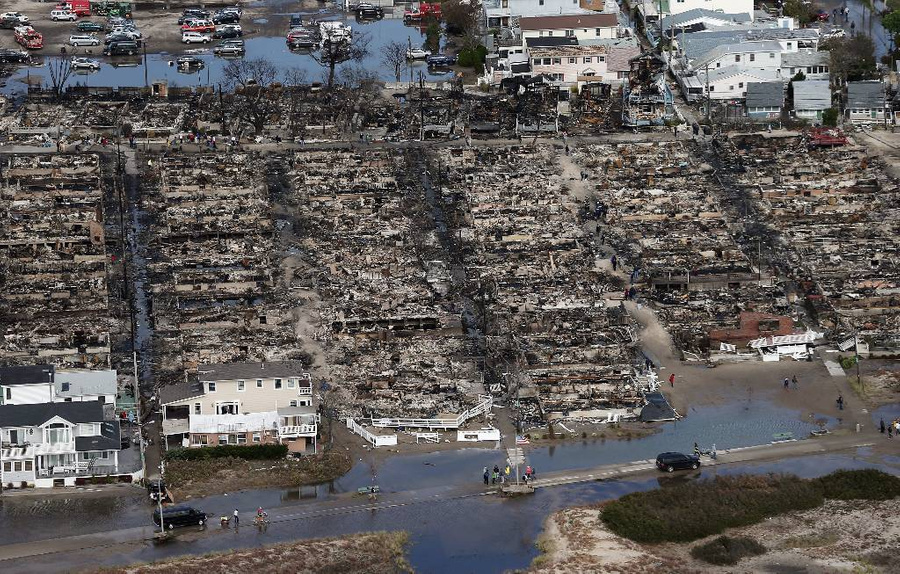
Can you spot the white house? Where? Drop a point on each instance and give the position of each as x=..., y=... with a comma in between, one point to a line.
x=815, y=65
x=811, y=99
x=866, y=102
x=652, y=11
x=570, y=65
x=45, y=384
x=48, y=440
x=502, y=13
x=240, y=403
x=591, y=26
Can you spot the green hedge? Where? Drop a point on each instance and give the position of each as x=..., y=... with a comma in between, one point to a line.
x=247, y=452
x=687, y=512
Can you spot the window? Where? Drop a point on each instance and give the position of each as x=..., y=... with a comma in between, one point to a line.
x=570, y=33
x=737, y=57
x=7, y=466
x=101, y=399
x=712, y=88
x=730, y=88
x=58, y=433
x=87, y=429
x=8, y=393
x=257, y=437
x=292, y=383
x=229, y=408
x=789, y=44
x=541, y=2
x=212, y=387
x=242, y=438
x=587, y=60
x=259, y=384
x=771, y=55
x=573, y=60
x=293, y=403
x=557, y=61
x=29, y=465
x=277, y=384
x=65, y=387
x=196, y=408
x=718, y=64
x=549, y=32
x=546, y=61
x=537, y=61
x=241, y=387
x=598, y=31
x=204, y=440
x=223, y=439
x=752, y=57
x=601, y=58
x=740, y=84
x=17, y=466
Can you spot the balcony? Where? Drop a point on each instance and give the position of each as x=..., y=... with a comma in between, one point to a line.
x=304, y=391
x=296, y=431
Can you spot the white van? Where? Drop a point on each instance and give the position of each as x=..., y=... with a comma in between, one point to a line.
x=57, y=15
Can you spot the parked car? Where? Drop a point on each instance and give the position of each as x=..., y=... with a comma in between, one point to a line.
x=368, y=11
x=122, y=48
x=440, y=61
x=88, y=26
x=189, y=62
x=21, y=18
x=110, y=38
x=229, y=48
x=202, y=26
x=11, y=56
x=9, y=22
x=296, y=20
x=671, y=461
x=228, y=32
x=83, y=40
x=130, y=32
x=85, y=64
x=57, y=15
x=195, y=38
x=177, y=516
x=233, y=9
x=417, y=54
x=193, y=14
x=225, y=18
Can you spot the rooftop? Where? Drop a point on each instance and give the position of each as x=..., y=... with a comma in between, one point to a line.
x=27, y=375
x=234, y=371
x=569, y=21
x=865, y=95
x=38, y=414
x=765, y=94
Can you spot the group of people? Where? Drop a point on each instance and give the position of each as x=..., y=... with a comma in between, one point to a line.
x=501, y=476
x=792, y=381
x=892, y=428
x=261, y=518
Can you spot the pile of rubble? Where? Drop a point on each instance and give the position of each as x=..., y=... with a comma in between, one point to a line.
x=212, y=262
x=54, y=289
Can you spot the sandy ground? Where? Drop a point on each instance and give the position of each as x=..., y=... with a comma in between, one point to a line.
x=158, y=25
x=856, y=536
x=370, y=553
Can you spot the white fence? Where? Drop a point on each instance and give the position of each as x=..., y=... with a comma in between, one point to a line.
x=375, y=439
x=445, y=424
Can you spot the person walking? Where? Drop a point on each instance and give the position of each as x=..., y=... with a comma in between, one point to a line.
x=794, y=383
x=891, y=431
x=696, y=450
x=881, y=426
x=672, y=380
x=237, y=517
x=840, y=402
x=485, y=476
x=786, y=382
x=615, y=263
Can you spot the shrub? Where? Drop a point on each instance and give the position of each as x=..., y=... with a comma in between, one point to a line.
x=727, y=551
x=246, y=452
x=830, y=117
x=866, y=484
x=690, y=511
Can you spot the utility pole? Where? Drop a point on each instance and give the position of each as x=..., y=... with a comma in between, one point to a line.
x=144, y=44
x=708, y=95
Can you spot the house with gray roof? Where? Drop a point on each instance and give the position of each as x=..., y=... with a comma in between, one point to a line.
x=62, y=439
x=815, y=65
x=811, y=99
x=764, y=100
x=46, y=384
x=865, y=103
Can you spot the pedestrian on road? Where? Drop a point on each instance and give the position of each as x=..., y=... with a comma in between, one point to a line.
x=881, y=426
x=237, y=518
x=672, y=380
x=840, y=402
x=786, y=382
x=696, y=450
x=485, y=476
x=794, y=383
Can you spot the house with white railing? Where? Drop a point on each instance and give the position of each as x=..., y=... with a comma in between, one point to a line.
x=64, y=439
x=242, y=403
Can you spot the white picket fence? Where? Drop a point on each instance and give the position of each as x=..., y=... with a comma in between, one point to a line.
x=445, y=424
x=376, y=439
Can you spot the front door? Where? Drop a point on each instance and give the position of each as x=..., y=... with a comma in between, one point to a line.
x=14, y=436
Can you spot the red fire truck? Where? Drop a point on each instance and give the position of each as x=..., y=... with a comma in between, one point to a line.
x=423, y=11
x=29, y=38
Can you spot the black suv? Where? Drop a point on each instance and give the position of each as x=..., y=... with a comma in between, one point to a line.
x=175, y=516
x=193, y=14
x=670, y=461
x=226, y=18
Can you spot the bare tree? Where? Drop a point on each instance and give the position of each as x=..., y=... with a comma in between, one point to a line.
x=331, y=54
x=294, y=80
x=393, y=55
x=60, y=69
x=254, y=99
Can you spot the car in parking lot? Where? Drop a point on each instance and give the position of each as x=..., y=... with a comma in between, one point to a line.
x=85, y=64
x=57, y=15
x=88, y=26
x=21, y=18
x=195, y=38
x=228, y=31
x=124, y=31
x=229, y=48
x=225, y=18
x=671, y=461
x=83, y=40
x=110, y=38
x=192, y=14
x=202, y=26
x=122, y=48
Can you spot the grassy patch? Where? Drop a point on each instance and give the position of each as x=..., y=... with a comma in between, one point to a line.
x=695, y=510
x=727, y=550
x=687, y=512
x=867, y=484
x=813, y=540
